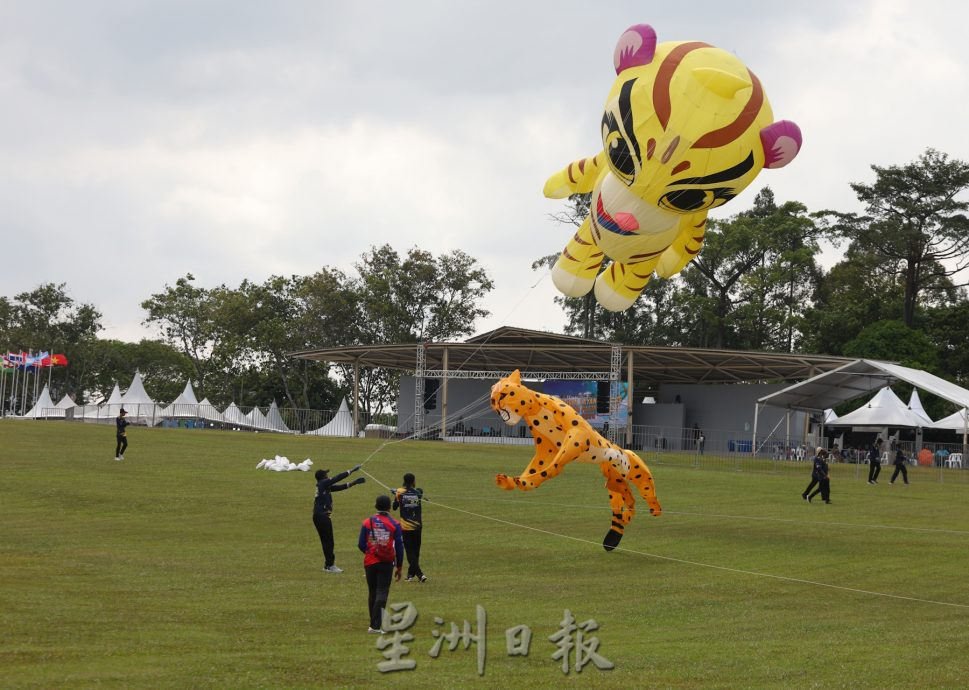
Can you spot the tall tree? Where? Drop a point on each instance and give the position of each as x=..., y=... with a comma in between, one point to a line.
x=915, y=221
x=416, y=298
x=185, y=316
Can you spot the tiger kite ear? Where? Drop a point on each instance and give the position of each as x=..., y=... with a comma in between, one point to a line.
x=515, y=376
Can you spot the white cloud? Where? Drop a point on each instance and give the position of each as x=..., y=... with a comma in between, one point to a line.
x=144, y=144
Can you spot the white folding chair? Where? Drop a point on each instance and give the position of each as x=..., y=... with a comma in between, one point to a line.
x=954, y=460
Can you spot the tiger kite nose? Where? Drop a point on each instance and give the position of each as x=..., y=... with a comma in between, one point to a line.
x=626, y=221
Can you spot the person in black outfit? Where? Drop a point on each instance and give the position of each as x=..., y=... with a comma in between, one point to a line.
x=900, y=461
x=815, y=474
x=323, y=507
x=874, y=461
x=121, y=423
x=824, y=482
x=383, y=548
x=408, y=500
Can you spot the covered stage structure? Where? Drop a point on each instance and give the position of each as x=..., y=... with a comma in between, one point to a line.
x=540, y=355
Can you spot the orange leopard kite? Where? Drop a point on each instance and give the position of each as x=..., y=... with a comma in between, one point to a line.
x=561, y=436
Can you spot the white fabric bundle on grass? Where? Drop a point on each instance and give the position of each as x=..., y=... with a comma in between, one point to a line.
x=282, y=464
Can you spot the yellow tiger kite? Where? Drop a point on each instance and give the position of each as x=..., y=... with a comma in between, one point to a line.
x=686, y=128
x=561, y=436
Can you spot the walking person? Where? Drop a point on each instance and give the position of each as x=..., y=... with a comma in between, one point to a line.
x=408, y=500
x=815, y=474
x=121, y=422
x=900, y=461
x=323, y=508
x=382, y=544
x=824, y=481
x=874, y=461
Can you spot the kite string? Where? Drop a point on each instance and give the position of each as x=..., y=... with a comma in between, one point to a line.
x=698, y=564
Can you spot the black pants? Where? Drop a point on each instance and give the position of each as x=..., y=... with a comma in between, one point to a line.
x=874, y=467
x=325, y=529
x=814, y=483
x=824, y=488
x=379, y=576
x=900, y=467
x=412, y=547
x=122, y=446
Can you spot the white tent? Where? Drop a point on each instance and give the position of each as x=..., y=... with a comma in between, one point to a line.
x=44, y=407
x=233, y=415
x=885, y=409
x=65, y=403
x=955, y=421
x=112, y=406
x=915, y=405
x=256, y=419
x=274, y=420
x=141, y=408
x=829, y=417
x=340, y=425
x=186, y=405
x=209, y=413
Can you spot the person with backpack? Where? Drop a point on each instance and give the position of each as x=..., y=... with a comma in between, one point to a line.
x=408, y=500
x=382, y=543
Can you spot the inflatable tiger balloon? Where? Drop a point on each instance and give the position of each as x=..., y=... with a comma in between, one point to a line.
x=685, y=129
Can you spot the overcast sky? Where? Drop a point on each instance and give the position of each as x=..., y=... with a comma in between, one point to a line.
x=140, y=141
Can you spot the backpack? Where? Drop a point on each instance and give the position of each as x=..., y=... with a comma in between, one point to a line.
x=381, y=541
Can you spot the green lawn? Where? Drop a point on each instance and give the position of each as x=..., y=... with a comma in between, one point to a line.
x=185, y=567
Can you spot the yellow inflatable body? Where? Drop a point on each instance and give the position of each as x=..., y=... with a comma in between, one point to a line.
x=562, y=436
x=686, y=128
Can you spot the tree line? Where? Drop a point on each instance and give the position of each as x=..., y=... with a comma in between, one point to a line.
x=232, y=342
x=757, y=284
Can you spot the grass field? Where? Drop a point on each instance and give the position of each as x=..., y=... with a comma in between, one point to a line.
x=185, y=567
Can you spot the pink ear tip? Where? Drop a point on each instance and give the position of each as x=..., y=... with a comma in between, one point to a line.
x=635, y=47
x=782, y=142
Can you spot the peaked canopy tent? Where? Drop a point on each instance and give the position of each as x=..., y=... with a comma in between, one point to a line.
x=915, y=405
x=884, y=409
x=209, y=412
x=954, y=422
x=233, y=415
x=856, y=379
x=140, y=407
x=186, y=405
x=274, y=419
x=256, y=419
x=112, y=406
x=44, y=407
x=340, y=425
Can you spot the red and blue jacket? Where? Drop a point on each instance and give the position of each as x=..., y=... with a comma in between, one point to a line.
x=381, y=520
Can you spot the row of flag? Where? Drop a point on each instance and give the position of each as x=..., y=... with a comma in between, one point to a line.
x=25, y=361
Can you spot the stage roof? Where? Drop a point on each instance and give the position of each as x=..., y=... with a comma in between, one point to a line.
x=508, y=348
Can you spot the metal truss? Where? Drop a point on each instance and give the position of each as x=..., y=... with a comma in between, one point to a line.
x=537, y=375
x=420, y=374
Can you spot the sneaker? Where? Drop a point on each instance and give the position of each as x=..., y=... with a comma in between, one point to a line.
x=828, y=502
x=119, y=458
x=409, y=578
x=810, y=498
x=375, y=631
x=804, y=496
x=870, y=481
x=422, y=578
x=332, y=569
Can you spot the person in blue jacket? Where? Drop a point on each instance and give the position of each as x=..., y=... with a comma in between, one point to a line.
x=323, y=508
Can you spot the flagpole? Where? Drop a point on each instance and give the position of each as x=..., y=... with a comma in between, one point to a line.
x=3, y=389
x=13, y=391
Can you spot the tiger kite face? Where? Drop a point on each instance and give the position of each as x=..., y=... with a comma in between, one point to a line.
x=686, y=126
